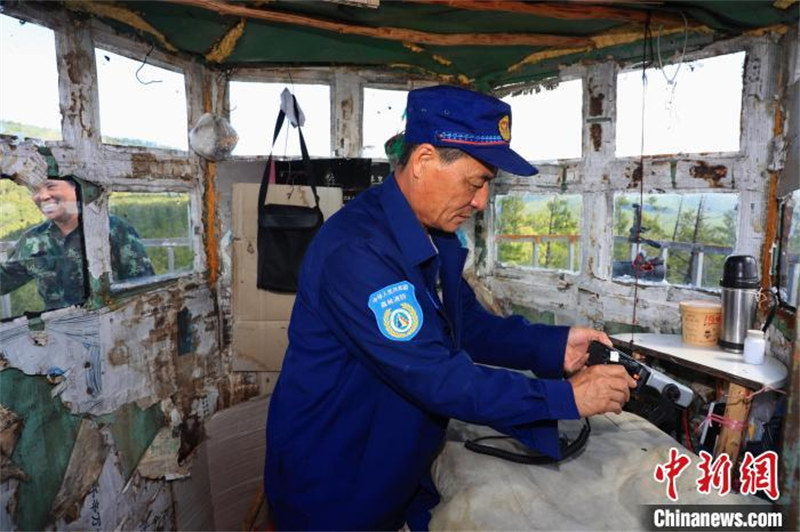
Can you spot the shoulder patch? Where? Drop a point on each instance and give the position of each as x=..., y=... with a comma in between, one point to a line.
x=397, y=311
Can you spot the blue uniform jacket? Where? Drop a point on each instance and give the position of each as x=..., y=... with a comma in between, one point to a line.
x=368, y=383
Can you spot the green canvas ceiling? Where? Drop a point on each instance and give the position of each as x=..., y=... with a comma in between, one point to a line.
x=195, y=30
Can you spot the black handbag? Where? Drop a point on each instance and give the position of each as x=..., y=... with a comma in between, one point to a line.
x=285, y=231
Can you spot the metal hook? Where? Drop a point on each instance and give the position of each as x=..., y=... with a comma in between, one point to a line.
x=144, y=62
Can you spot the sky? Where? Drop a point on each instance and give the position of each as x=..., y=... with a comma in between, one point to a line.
x=546, y=125
x=28, y=95
x=697, y=110
x=384, y=117
x=255, y=107
x=151, y=107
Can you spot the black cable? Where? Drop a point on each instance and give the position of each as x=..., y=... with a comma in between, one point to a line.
x=647, y=38
x=567, y=448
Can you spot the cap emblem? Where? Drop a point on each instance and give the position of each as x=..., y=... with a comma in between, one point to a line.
x=505, y=128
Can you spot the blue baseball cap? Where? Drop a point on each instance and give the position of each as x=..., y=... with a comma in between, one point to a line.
x=476, y=123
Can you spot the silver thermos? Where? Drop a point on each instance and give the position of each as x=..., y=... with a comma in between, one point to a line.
x=740, y=286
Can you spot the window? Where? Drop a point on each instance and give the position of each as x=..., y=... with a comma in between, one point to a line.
x=150, y=234
x=538, y=230
x=689, y=108
x=383, y=118
x=140, y=104
x=685, y=237
x=254, y=109
x=28, y=80
x=790, y=247
x=547, y=125
x=42, y=260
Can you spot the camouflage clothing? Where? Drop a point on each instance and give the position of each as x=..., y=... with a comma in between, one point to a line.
x=55, y=262
x=129, y=259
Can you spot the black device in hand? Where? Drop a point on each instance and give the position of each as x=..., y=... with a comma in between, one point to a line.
x=600, y=353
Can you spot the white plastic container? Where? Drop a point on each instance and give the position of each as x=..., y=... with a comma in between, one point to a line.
x=755, y=346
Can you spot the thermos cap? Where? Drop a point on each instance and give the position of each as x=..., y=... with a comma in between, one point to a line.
x=740, y=271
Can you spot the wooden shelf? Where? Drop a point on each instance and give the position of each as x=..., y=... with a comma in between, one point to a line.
x=711, y=360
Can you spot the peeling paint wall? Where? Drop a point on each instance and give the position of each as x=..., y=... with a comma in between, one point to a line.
x=94, y=445
x=143, y=365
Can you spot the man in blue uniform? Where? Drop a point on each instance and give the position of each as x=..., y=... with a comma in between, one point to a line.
x=378, y=362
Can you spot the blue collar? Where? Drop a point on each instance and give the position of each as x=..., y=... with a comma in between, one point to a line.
x=408, y=232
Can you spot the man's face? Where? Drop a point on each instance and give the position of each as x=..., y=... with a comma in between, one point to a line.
x=57, y=200
x=452, y=192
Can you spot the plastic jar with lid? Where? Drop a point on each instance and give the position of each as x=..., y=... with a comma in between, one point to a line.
x=755, y=346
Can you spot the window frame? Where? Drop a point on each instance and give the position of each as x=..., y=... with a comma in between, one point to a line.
x=599, y=174
x=101, y=167
x=118, y=288
x=690, y=58
x=644, y=282
x=305, y=76
x=118, y=167
x=534, y=269
x=156, y=58
x=786, y=276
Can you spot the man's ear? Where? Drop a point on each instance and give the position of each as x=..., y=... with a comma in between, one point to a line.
x=421, y=159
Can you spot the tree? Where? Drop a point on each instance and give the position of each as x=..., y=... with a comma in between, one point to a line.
x=513, y=219
x=511, y=216
x=561, y=221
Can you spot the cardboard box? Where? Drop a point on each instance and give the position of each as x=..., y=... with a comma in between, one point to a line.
x=261, y=317
x=259, y=345
x=227, y=471
x=250, y=303
x=236, y=450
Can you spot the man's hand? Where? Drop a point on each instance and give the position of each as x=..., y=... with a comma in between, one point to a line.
x=602, y=388
x=577, y=352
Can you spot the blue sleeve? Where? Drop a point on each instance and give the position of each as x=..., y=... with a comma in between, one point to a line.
x=421, y=368
x=511, y=342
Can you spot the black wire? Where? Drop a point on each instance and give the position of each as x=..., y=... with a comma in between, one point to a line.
x=780, y=303
x=567, y=449
x=144, y=62
x=636, y=272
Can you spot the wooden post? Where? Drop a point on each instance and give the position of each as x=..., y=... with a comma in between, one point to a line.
x=535, y=257
x=737, y=409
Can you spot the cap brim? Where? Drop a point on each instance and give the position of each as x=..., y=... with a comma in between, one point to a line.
x=503, y=158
